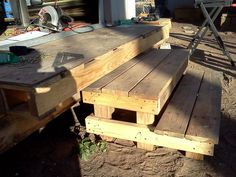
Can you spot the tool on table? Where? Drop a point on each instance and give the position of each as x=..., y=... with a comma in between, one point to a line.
x=216, y=7
x=8, y=57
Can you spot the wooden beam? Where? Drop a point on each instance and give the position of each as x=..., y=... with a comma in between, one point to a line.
x=122, y=102
x=145, y=119
x=16, y=127
x=49, y=94
x=106, y=113
x=194, y=156
x=140, y=133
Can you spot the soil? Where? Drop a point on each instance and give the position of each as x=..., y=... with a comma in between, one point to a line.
x=51, y=153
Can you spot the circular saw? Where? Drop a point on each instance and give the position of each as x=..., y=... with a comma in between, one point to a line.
x=53, y=18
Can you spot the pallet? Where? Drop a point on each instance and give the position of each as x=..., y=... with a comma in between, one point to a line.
x=143, y=85
x=35, y=93
x=190, y=121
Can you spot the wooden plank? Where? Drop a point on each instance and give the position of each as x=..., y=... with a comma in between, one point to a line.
x=49, y=94
x=122, y=102
x=175, y=119
x=98, y=85
x=145, y=119
x=205, y=120
x=103, y=111
x=194, y=156
x=128, y=80
x=106, y=113
x=2, y=105
x=140, y=133
x=165, y=76
x=106, y=63
x=38, y=66
x=15, y=128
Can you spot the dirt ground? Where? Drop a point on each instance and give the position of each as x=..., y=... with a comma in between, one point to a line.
x=51, y=153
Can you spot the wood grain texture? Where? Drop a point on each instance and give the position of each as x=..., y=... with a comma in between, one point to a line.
x=158, y=81
x=145, y=119
x=51, y=94
x=128, y=80
x=175, y=119
x=38, y=65
x=122, y=102
x=99, y=84
x=140, y=133
x=205, y=121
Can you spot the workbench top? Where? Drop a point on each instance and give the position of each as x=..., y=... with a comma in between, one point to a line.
x=41, y=64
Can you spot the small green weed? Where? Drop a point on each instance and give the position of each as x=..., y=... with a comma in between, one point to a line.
x=86, y=148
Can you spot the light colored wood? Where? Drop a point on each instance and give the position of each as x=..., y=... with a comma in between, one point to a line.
x=16, y=127
x=99, y=84
x=145, y=119
x=140, y=133
x=128, y=80
x=194, y=156
x=166, y=75
x=174, y=121
x=50, y=94
x=122, y=102
x=106, y=63
x=205, y=121
x=106, y=113
x=103, y=111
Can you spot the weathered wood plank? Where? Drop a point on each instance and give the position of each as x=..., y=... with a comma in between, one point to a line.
x=175, y=119
x=38, y=66
x=128, y=80
x=106, y=63
x=140, y=133
x=205, y=121
x=162, y=77
x=98, y=85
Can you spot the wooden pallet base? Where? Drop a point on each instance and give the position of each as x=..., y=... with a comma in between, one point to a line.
x=144, y=134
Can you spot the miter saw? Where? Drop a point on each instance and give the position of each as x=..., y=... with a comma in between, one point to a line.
x=53, y=18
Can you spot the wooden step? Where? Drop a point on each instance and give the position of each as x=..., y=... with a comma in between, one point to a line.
x=144, y=84
x=194, y=111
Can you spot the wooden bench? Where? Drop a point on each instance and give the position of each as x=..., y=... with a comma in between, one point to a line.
x=190, y=122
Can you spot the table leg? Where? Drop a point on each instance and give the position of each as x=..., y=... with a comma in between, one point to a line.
x=104, y=112
x=145, y=119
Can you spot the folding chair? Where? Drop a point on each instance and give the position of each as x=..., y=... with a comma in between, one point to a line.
x=216, y=7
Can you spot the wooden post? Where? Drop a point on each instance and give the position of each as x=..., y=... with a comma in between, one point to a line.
x=104, y=112
x=194, y=156
x=145, y=119
x=3, y=108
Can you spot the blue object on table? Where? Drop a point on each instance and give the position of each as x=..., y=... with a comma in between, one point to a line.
x=7, y=9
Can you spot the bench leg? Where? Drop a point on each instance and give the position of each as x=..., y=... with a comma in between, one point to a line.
x=194, y=156
x=145, y=119
x=104, y=112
